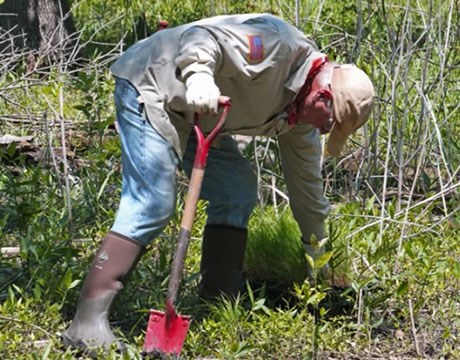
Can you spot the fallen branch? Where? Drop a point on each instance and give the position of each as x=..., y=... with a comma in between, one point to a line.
x=10, y=251
x=10, y=318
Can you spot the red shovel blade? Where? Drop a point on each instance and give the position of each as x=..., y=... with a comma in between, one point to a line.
x=166, y=332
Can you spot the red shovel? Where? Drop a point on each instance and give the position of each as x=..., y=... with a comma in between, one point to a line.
x=166, y=331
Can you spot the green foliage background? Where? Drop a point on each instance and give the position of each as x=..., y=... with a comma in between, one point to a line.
x=393, y=231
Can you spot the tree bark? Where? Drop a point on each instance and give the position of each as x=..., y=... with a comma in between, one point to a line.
x=44, y=26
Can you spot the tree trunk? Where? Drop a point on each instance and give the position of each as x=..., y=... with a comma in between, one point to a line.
x=44, y=26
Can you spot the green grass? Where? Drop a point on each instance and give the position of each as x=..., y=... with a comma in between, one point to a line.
x=395, y=299
x=275, y=253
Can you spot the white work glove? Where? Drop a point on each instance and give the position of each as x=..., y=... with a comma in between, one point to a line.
x=202, y=93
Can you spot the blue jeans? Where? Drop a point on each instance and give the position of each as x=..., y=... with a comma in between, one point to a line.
x=149, y=187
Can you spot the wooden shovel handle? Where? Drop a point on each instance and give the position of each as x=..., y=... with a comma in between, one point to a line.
x=193, y=195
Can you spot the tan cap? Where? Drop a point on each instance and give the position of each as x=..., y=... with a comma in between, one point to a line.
x=353, y=96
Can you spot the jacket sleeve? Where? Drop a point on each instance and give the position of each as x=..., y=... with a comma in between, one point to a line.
x=300, y=156
x=198, y=52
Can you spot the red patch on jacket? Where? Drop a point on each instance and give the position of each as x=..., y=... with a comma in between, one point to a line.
x=256, y=48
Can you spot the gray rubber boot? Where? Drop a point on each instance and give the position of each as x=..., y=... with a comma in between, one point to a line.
x=114, y=261
x=222, y=259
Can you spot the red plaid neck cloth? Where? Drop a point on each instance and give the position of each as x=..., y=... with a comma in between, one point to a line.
x=292, y=108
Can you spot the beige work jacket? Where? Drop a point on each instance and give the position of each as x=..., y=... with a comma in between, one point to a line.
x=258, y=60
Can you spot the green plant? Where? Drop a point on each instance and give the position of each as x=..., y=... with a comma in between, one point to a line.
x=275, y=253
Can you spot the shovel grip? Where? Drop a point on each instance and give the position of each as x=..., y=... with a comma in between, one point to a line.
x=203, y=143
x=193, y=195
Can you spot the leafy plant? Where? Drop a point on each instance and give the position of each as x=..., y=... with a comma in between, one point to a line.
x=275, y=253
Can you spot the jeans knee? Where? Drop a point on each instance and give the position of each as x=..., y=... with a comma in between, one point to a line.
x=247, y=199
x=248, y=195
x=235, y=207
x=144, y=218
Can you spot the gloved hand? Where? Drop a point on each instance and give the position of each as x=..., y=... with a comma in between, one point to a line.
x=202, y=93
